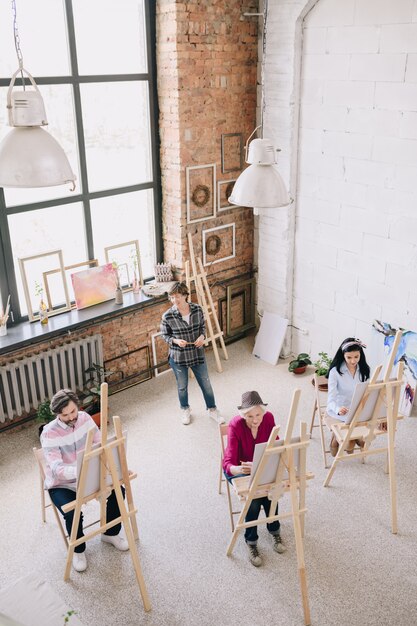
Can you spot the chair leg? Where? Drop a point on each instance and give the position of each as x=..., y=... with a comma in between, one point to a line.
x=229, y=500
x=59, y=522
x=323, y=443
x=221, y=474
x=313, y=416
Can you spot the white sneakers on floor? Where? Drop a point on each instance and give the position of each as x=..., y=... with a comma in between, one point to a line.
x=215, y=415
x=79, y=561
x=186, y=416
x=117, y=541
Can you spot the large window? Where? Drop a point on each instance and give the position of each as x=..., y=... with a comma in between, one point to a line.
x=94, y=62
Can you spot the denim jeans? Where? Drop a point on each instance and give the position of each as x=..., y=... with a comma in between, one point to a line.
x=251, y=533
x=61, y=496
x=202, y=377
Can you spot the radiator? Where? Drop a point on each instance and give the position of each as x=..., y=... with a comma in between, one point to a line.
x=26, y=382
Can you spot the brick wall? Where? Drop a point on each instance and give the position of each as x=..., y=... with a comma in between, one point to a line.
x=350, y=164
x=207, y=65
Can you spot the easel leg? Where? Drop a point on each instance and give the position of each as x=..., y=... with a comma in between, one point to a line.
x=391, y=463
x=237, y=529
x=300, y=556
x=128, y=531
x=313, y=416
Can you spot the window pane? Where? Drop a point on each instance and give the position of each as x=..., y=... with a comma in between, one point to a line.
x=123, y=218
x=120, y=29
x=36, y=232
x=60, y=114
x=43, y=38
x=117, y=134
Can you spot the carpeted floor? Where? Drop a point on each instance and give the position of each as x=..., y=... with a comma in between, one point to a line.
x=358, y=573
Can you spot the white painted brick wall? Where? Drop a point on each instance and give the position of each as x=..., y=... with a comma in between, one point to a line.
x=351, y=165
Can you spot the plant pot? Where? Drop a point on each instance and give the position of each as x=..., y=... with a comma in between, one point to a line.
x=97, y=419
x=300, y=370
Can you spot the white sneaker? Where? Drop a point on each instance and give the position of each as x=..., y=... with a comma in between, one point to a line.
x=186, y=416
x=117, y=541
x=79, y=561
x=215, y=415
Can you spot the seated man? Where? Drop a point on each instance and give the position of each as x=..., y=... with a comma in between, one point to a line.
x=61, y=439
x=253, y=425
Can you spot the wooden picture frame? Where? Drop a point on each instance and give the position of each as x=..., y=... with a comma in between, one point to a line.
x=200, y=181
x=91, y=263
x=156, y=365
x=130, y=380
x=217, y=232
x=248, y=323
x=232, y=152
x=223, y=189
x=125, y=244
x=22, y=261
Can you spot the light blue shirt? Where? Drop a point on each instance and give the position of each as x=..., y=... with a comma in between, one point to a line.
x=341, y=390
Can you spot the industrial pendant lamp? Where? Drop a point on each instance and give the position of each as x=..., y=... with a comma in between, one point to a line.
x=260, y=185
x=29, y=155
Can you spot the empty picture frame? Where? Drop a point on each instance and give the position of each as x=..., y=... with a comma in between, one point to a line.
x=227, y=248
x=123, y=252
x=160, y=353
x=232, y=152
x=200, y=181
x=224, y=191
x=91, y=263
x=22, y=265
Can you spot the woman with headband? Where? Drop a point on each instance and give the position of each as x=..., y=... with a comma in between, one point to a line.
x=348, y=367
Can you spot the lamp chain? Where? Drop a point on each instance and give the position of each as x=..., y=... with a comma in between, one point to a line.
x=17, y=41
x=263, y=106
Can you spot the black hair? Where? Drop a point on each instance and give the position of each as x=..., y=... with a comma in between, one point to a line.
x=62, y=399
x=339, y=358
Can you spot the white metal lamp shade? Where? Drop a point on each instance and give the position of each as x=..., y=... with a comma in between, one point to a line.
x=31, y=157
x=260, y=185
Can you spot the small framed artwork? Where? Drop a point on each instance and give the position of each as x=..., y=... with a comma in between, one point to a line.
x=248, y=317
x=67, y=268
x=232, y=152
x=95, y=285
x=125, y=253
x=160, y=352
x=224, y=191
x=200, y=183
x=38, y=264
x=219, y=244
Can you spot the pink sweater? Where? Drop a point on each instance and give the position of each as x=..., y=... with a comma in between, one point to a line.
x=240, y=442
x=60, y=443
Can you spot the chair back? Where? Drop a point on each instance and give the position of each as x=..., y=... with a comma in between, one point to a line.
x=40, y=459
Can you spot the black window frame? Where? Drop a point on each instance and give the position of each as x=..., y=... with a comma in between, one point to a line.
x=8, y=283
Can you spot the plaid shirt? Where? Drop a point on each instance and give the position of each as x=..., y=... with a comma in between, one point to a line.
x=174, y=327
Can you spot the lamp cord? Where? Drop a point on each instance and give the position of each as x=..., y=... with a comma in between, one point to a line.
x=265, y=18
x=17, y=42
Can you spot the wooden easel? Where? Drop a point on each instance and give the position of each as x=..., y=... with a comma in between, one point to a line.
x=294, y=482
x=107, y=467
x=205, y=300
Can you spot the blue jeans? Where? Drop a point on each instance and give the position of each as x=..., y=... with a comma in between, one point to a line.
x=202, y=377
x=61, y=496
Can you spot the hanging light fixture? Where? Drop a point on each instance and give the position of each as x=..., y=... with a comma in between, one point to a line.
x=260, y=185
x=29, y=155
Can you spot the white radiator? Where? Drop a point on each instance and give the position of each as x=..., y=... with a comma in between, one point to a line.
x=25, y=383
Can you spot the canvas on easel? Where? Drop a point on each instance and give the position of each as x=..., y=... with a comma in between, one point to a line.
x=285, y=463
x=119, y=475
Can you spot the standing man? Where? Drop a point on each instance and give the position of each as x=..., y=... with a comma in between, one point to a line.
x=183, y=328
x=61, y=439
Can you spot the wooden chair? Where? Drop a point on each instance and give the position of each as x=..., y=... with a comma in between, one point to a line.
x=222, y=479
x=40, y=459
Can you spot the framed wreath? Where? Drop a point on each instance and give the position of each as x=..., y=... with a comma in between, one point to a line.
x=201, y=195
x=213, y=244
x=201, y=192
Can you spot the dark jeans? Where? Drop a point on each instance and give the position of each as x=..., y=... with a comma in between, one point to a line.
x=61, y=496
x=251, y=533
x=202, y=377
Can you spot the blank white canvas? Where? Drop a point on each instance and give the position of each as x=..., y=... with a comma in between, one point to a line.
x=271, y=335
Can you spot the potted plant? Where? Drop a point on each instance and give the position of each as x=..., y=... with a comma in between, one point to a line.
x=44, y=414
x=299, y=365
x=91, y=401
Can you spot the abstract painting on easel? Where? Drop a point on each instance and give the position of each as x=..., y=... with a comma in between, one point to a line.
x=407, y=352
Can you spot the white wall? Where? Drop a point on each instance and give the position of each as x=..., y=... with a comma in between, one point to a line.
x=354, y=173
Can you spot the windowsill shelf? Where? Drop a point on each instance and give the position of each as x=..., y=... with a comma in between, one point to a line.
x=29, y=333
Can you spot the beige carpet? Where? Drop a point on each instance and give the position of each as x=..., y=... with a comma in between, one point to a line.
x=357, y=571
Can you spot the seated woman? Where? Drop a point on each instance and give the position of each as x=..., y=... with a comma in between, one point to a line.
x=348, y=367
x=253, y=425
